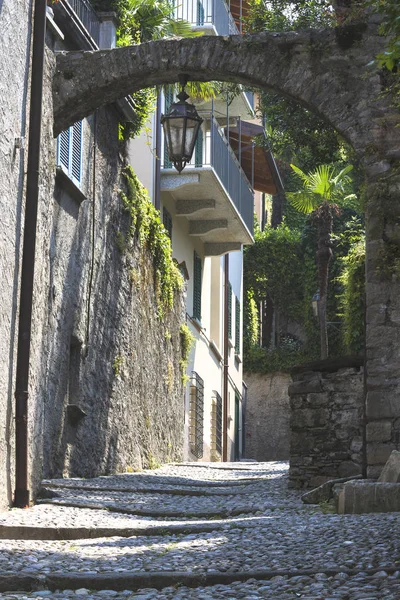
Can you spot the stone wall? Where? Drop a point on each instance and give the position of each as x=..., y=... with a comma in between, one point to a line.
x=326, y=422
x=267, y=416
x=105, y=391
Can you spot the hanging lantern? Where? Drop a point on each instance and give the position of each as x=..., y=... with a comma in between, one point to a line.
x=181, y=126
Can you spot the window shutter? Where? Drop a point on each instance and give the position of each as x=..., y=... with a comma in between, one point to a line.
x=63, y=148
x=237, y=327
x=198, y=150
x=76, y=155
x=197, y=287
x=200, y=13
x=229, y=311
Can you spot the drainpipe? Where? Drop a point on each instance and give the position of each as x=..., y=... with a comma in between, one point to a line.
x=226, y=362
x=21, y=497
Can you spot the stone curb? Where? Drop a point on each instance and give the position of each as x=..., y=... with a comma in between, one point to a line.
x=223, y=514
x=22, y=532
x=173, y=492
x=158, y=580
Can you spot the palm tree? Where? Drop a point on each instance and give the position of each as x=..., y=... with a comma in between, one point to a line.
x=322, y=193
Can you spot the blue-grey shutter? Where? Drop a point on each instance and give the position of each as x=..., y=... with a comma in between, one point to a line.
x=76, y=155
x=63, y=148
x=229, y=311
x=168, y=100
x=198, y=150
x=167, y=222
x=197, y=267
x=237, y=327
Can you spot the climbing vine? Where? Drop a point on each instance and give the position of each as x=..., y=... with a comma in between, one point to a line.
x=187, y=341
x=150, y=232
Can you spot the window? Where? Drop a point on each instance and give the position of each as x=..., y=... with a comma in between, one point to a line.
x=229, y=311
x=197, y=268
x=167, y=222
x=69, y=152
x=196, y=423
x=237, y=327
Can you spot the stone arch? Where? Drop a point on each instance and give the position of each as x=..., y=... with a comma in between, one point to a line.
x=330, y=73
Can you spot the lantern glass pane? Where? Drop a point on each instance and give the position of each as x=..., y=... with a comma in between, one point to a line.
x=190, y=138
x=176, y=132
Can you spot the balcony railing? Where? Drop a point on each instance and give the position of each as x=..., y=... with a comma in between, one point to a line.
x=202, y=13
x=213, y=150
x=87, y=16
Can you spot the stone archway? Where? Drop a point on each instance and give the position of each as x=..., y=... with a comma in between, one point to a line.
x=330, y=73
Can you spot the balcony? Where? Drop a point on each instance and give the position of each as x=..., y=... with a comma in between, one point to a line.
x=212, y=17
x=213, y=193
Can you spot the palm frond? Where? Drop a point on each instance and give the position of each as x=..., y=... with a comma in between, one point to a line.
x=303, y=201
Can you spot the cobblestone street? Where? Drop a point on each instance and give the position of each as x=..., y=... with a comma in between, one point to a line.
x=195, y=531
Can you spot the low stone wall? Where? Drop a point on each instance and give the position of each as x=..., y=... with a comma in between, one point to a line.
x=267, y=416
x=326, y=422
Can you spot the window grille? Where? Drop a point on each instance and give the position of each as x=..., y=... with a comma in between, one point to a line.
x=197, y=268
x=237, y=327
x=216, y=425
x=196, y=423
x=69, y=152
x=229, y=311
x=167, y=222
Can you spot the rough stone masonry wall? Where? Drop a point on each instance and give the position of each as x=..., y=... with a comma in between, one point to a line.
x=267, y=416
x=97, y=342
x=15, y=34
x=326, y=425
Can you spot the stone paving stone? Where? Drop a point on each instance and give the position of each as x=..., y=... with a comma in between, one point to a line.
x=352, y=557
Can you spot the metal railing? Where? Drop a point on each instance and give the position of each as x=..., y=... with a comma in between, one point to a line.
x=232, y=176
x=213, y=150
x=87, y=16
x=202, y=13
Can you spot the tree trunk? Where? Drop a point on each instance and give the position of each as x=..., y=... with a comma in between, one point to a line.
x=323, y=216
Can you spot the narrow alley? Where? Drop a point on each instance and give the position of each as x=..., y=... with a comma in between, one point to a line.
x=203, y=531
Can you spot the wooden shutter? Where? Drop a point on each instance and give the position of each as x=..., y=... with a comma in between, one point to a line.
x=64, y=140
x=197, y=287
x=76, y=153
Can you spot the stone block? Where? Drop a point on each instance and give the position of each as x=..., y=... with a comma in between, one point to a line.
x=324, y=492
x=377, y=454
x=374, y=472
x=305, y=387
x=359, y=497
x=348, y=418
x=379, y=431
x=382, y=405
x=348, y=468
x=391, y=470
x=316, y=400
x=356, y=444
x=309, y=417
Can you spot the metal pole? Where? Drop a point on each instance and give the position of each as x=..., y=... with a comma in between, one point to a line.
x=21, y=497
x=226, y=362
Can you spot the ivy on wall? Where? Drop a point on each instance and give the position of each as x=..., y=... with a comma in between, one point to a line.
x=147, y=228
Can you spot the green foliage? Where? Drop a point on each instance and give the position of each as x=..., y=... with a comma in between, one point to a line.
x=322, y=184
x=352, y=300
x=273, y=266
x=150, y=232
x=251, y=321
x=282, y=358
x=287, y=15
x=390, y=27
x=187, y=341
x=144, y=104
